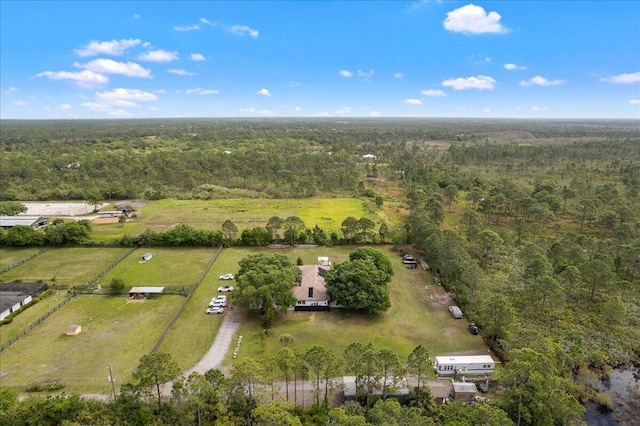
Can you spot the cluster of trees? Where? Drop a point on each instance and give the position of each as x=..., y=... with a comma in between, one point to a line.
x=361, y=282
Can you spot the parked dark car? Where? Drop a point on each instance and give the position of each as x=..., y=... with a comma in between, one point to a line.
x=474, y=328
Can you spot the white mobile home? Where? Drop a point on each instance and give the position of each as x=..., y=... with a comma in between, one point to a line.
x=465, y=365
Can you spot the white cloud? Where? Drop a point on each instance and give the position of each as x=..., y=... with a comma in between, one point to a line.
x=432, y=92
x=113, y=47
x=65, y=107
x=181, y=72
x=634, y=101
x=343, y=110
x=109, y=66
x=197, y=57
x=205, y=21
x=365, y=74
x=398, y=75
x=200, y=91
x=298, y=109
x=132, y=95
x=136, y=16
x=294, y=84
x=541, y=81
x=94, y=106
x=249, y=110
x=413, y=101
x=512, y=67
x=186, y=27
x=9, y=90
x=486, y=110
x=158, y=56
x=266, y=112
x=375, y=114
x=472, y=19
x=241, y=30
x=84, y=78
x=20, y=103
x=345, y=73
x=623, y=78
x=481, y=82
x=264, y=92
x=537, y=108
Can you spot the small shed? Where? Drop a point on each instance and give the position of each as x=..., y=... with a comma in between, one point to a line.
x=464, y=392
x=144, y=292
x=146, y=257
x=324, y=261
x=73, y=330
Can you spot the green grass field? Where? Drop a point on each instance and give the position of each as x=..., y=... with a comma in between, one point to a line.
x=168, y=267
x=327, y=213
x=11, y=255
x=65, y=266
x=419, y=316
x=115, y=332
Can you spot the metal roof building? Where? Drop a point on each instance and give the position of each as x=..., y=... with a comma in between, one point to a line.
x=36, y=222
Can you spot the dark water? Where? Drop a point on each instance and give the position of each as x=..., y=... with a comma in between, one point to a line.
x=625, y=409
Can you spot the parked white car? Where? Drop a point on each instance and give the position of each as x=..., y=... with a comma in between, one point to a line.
x=226, y=277
x=215, y=310
x=225, y=288
x=217, y=301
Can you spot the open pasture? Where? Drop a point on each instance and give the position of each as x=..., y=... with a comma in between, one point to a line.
x=11, y=255
x=65, y=266
x=327, y=213
x=116, y=332
x=418, y=315
x=168, y=267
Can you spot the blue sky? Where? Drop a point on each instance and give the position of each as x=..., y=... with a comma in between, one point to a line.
x=130, y=59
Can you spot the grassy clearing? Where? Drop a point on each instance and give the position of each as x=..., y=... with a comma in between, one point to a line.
x=11, y=255
x=168, y=267
x=419, y=315
x=65, y=266
x=115, y=332
x=327, y=213
x=25, y=318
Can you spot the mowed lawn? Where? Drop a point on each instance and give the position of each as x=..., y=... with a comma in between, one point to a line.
x=419, y=315
x=168, y=267
x=116, y=332
x=65, y=266
x=11, y=255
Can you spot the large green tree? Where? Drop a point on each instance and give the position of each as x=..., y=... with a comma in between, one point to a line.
x=154, y=370
x=265, y=277
x=359, y=285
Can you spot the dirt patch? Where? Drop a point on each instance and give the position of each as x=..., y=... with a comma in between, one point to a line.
x=312, y=317
x=104, y=220
x=60, y=209
x=136, y=300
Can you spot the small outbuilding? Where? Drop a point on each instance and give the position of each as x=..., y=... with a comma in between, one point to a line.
x=73, y=330
x=464, y=392
x=144, y=292
x=323, y=261
x=146, y=257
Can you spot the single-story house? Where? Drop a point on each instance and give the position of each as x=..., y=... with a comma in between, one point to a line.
x=323, y=261
x=311, y=291
x=464, y=392
x=144, y=292
x=13, y=296
x=35, y=222
x=369, y=157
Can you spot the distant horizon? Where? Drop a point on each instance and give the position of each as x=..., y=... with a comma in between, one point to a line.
x=320, y=59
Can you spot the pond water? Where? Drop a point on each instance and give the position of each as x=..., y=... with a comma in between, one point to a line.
x=623, y=386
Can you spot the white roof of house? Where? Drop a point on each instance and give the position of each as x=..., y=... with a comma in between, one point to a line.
x=20, y=220
x=467, y=359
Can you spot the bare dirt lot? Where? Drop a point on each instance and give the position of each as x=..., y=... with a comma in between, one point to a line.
x=59, y=209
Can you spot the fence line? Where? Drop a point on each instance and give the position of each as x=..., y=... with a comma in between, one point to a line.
x=82, y=289
x=20, y=262
x=38, y=321
x=184, y=303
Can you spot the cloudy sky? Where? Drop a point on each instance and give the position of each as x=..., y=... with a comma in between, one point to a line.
x=320, y=59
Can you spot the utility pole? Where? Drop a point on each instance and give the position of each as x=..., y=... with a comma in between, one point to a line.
x=113, y=386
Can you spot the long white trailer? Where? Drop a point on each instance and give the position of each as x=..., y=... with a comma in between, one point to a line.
x=466, y=365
